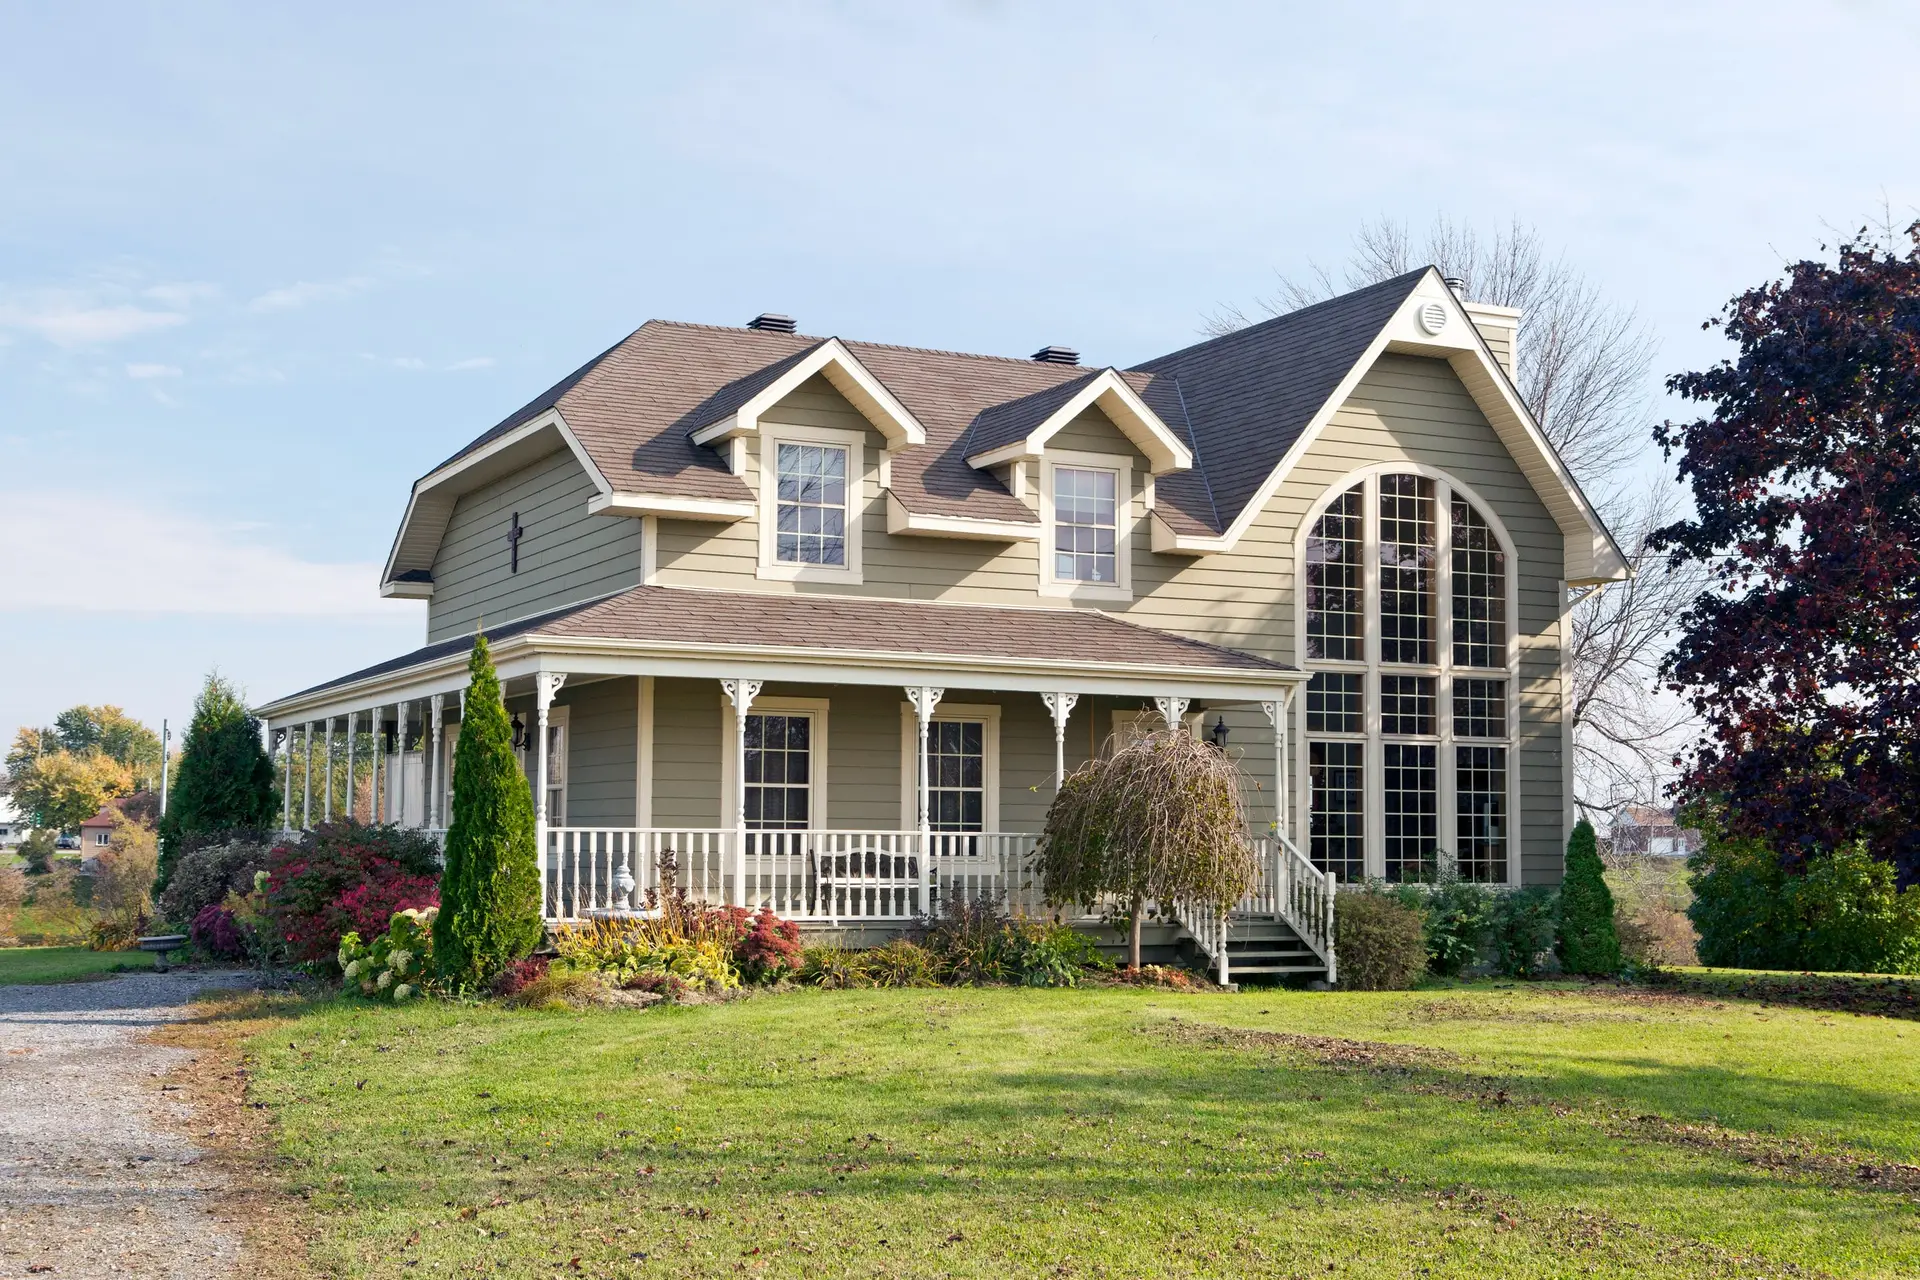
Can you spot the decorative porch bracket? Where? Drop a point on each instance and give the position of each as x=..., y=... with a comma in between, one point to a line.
x=1059, y=706
x=545, y=685
x=741, y=693
x=1172, y=708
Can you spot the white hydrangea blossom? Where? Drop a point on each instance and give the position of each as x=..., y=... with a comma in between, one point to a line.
x=402, y=991
x=385, y=979
x=399, y=960
x=352, y=970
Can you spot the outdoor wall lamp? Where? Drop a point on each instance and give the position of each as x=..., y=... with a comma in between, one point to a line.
x=519, y=733
x=1219, y=734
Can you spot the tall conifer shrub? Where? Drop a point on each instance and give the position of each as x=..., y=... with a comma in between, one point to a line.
x=490, y=887
x=1587, y=942
x=225, y=779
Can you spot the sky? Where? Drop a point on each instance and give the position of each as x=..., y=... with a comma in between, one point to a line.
x=261, y=266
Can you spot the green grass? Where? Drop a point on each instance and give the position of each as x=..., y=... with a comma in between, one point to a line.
x=65, y=964
x=1006, y=1133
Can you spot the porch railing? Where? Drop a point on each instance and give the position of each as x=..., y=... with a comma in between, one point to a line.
x=853, y=877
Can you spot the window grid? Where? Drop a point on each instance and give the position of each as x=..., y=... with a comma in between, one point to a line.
x=1336, y=604
x=956, y=773
x=811, y=520
x=1480, y=813
x=1085, y=525
x=1412, y=794
x=1337, y=702
x=1337, y=828
x=1479, y=708
x=1406, y=569
x=1479, y=591
x=1407, y=706
x=779, y=777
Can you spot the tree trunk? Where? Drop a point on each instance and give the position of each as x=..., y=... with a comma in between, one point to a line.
x=1133, y=933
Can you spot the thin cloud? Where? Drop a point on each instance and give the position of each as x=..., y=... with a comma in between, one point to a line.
x=304, y=292
x=473, y=362
x=182, y=294
x=153, y=371
x=70, y=322
x=131, y=559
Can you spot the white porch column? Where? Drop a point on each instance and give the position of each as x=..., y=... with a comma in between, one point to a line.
x=741, y=693
x=1277, y=717
x=1059, y=706
x=924, y=699
x=306, y=778
x=400, y=753
x=436, y=706
x=326, y=804
x=1172, y=708
x=374, y=754
x=545, y=685
x=353, y=809
x=286, y=792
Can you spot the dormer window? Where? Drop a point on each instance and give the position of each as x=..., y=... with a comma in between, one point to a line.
x=811, y=515
x=1085, y=502
x=812, y=498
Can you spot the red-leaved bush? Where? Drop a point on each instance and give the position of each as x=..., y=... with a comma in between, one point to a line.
x=770, y=949
x=344, y=876
x=519, y=975
x=214, y=928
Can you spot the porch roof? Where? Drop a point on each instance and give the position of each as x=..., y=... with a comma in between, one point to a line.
x=846, y=634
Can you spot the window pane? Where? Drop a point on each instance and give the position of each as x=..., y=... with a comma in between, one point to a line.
x=778, y=768
x=1336, y=702
x=1412, y=796
x=1086, y=525
x=1334, y=607
x=1479, y=591
x=810, y=519
x=1480, y=787
x=1479, y=708
x=1336, y=839
x=1406, y=568
x=1406, y=705
x=956, y=768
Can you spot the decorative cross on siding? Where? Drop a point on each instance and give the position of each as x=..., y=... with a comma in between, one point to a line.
x=513, y=541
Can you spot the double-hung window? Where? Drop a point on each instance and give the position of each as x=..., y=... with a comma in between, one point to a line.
x=1087, y=526
x=1406, y=616
x=810, y=504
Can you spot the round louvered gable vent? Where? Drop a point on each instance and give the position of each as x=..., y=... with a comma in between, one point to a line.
x=1433, y=318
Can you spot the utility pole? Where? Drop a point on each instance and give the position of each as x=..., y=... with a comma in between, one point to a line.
x=166, y=736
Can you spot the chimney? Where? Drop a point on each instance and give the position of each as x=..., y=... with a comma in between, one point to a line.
x=1057, y=355
x=771, y=322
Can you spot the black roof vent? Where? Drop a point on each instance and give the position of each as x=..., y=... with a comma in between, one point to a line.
x=771, y=322
x=1057, y=355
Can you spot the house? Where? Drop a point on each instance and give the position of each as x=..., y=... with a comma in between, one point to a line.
x=826, y=620
x=14, y=826
x=1656, y=832
x=96, y=833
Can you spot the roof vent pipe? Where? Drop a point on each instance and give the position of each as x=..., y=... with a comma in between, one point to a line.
x=1057, y=355
x=1458, y=286
x=771, y=322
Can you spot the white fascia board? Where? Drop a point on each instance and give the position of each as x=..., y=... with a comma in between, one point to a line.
x=430, y=505
x=1163, y=450
x=902, y=521
x=1593, y=556
x=407, y=590
x=849, y=377
x=673, y=508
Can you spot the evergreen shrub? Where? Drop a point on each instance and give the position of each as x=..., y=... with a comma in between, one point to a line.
x=1380, y=941
x=1586, y=941
x=224, y=781
x=1521, y=931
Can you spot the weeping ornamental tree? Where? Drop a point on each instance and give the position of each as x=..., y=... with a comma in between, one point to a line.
x=225, y=779
x=1159, y=819
x=490, y=886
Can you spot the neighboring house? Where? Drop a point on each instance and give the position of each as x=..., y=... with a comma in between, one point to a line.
x=14, y=826
x=1653, y=831
x=96, y=833
x=826, y=619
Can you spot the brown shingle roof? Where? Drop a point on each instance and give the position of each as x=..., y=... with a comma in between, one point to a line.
x=856, y=625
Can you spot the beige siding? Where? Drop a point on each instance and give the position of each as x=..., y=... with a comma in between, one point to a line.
x=566, y=554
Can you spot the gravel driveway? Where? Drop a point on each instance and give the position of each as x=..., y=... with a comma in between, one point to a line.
x=94, y=1180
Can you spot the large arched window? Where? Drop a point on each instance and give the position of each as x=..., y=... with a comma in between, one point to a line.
x=1406, y=613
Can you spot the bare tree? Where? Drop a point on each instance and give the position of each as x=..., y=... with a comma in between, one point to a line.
x=1581, y=362
x=1582, y=366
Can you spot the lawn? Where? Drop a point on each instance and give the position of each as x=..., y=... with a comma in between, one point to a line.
x=64, y=964
x=1470, y=1131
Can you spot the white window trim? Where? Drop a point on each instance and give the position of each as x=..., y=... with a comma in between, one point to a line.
x=730, y=753
x=1445, y=488
x=854, y=442
x=988, y=713
x=1125, y=522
